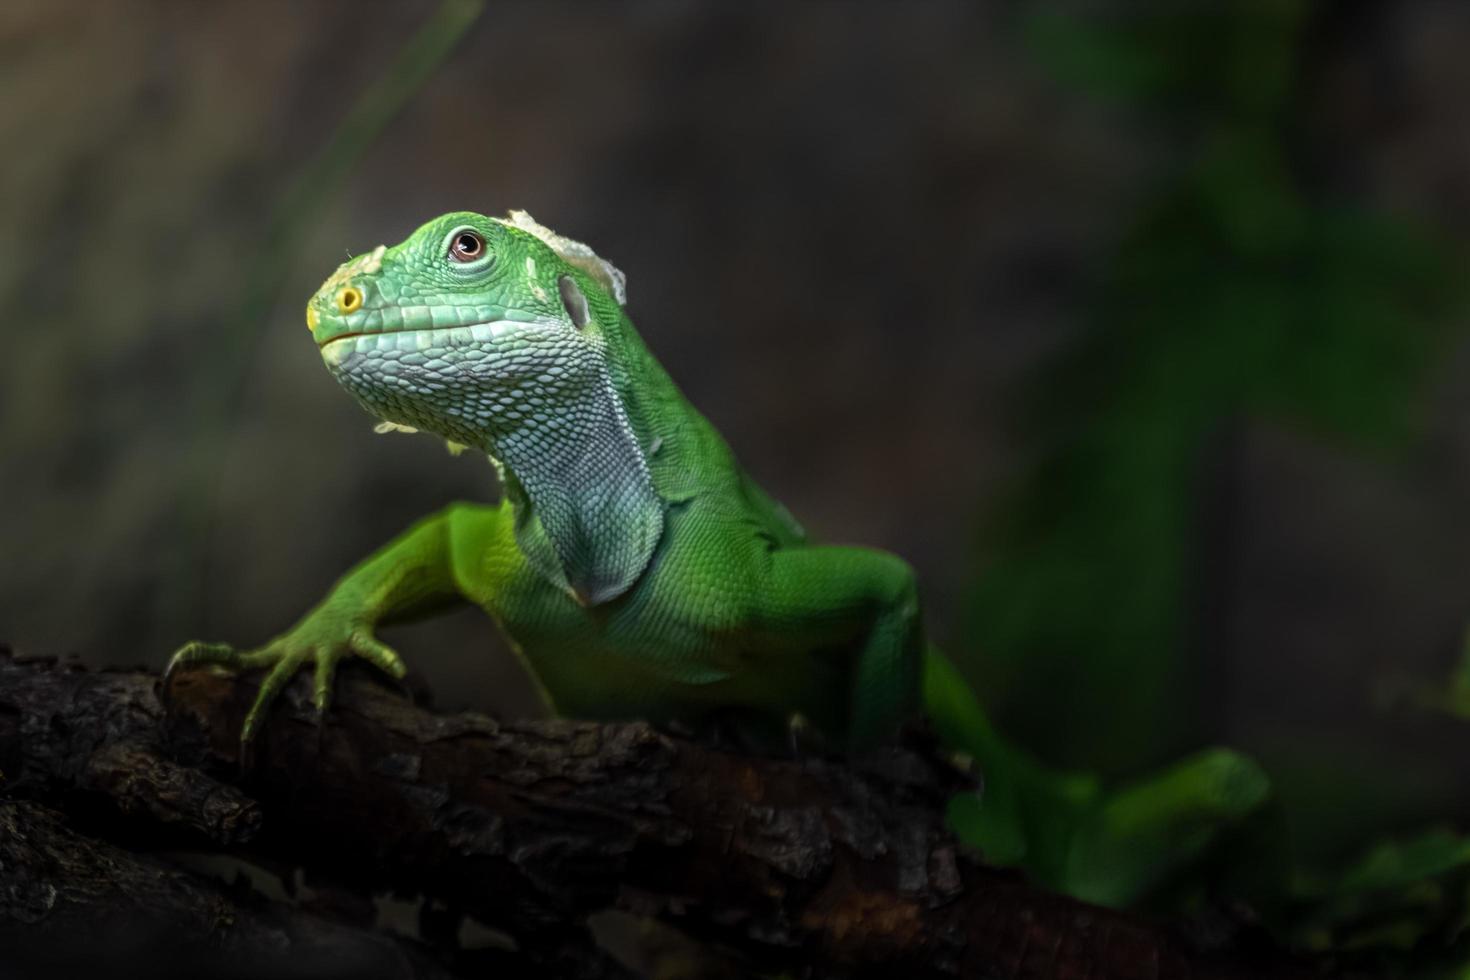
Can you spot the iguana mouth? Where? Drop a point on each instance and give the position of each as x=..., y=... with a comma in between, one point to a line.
x=483, y=331
x=345, y=336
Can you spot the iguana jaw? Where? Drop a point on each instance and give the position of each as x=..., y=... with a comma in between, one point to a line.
x=469, y=382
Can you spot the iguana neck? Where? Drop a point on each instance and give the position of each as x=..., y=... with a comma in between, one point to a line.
x=589, y=505
x=681, y=448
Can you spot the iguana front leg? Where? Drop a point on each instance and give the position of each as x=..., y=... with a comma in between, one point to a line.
x=412, y=575
x=1110, y=846
x=859, y=600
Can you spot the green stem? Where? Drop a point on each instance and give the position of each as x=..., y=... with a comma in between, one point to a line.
x=217, y=397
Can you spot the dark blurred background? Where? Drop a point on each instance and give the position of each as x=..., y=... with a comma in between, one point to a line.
x=1138, y=333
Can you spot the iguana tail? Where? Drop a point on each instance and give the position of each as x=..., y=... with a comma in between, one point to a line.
x=1108, y=847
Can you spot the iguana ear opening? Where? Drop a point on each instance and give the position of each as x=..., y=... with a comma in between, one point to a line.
x=574, y=301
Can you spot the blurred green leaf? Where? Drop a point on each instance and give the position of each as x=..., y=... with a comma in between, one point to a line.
x=1190, y=57
x=1400, y=909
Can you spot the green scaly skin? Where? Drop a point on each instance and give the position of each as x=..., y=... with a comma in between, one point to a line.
x=641, y=573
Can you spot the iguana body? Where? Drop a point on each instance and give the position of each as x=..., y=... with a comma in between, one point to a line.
x=634, y=565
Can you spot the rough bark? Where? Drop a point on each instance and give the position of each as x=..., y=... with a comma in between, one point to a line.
x=72, y=904
x=531, y=826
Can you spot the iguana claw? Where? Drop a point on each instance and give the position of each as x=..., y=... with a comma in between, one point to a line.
x=284, y=657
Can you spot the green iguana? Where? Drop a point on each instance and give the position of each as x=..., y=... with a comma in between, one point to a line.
x=641, y=573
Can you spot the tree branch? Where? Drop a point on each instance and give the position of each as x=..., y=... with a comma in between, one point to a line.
x=72, y=905
x=531, y=826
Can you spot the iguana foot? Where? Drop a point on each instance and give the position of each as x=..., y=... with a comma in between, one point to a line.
x=310, y=642
x=1144, y=832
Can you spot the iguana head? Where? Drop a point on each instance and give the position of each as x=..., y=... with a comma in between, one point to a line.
x=494, y=333
x=468, y=327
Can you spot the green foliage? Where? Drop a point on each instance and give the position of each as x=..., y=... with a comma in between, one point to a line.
x=1237, y=295
x=1401, y=909
x=1227, y=61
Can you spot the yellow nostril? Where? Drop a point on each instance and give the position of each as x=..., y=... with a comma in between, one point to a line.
x=349, y=299
x=311, y=318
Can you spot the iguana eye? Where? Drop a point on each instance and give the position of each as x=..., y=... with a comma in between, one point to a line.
x=466, y=247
